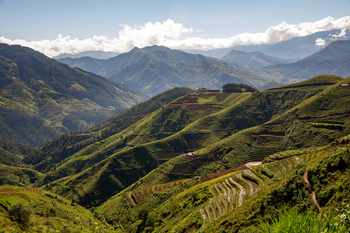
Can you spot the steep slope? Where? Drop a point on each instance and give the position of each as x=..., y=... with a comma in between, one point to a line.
x=252, y=59
x=319, y=120
x=142, y=147
x=41, y=98
x=60, y=148
x=334, y=59
x=241, y=200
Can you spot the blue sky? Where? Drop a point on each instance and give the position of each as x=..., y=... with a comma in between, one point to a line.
x=44, y=20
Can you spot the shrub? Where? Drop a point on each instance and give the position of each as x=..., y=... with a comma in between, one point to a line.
x=20, y=214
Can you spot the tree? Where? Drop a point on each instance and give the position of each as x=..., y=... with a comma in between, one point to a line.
x=233, y=87
x=20, y=213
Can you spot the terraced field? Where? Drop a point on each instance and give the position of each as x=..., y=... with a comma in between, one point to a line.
x=138, y=194
x=233, y=189
x=10, y=195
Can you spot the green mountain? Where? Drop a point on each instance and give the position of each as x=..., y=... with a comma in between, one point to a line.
x=153, y=70
x=188, y=124
x=334, y=59
x=41, y=98
x=207, y=161
x=252, y=59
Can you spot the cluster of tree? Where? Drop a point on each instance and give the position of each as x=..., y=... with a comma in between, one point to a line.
x=234, y=87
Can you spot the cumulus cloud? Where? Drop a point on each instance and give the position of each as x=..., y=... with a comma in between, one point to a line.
x=176, y=36
x=320, y=42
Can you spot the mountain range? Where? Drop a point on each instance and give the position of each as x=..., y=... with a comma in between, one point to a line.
x=153, y=70
x=42, y=98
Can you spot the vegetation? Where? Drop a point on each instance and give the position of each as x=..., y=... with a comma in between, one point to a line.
x=20, y=214
x=191, y=166
x=233, y=87
x=290, y=221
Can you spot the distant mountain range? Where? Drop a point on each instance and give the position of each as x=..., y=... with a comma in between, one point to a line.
x=94, y=54
x=334, y=59
x=293, y=49
x=41, y=98
x=153, y=70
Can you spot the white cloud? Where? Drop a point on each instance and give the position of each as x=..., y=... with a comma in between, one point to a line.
x=320, y=42
x=341, y=34
x=171, y=34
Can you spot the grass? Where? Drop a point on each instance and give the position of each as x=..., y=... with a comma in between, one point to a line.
x=290, y=221
x=326, y=125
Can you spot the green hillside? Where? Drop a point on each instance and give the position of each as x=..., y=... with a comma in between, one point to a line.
x=34, y=210
x=218, y=125
x=64, y=146
x=205, y=161
x=42, y=98
x=241, y=201
x=233, y=151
